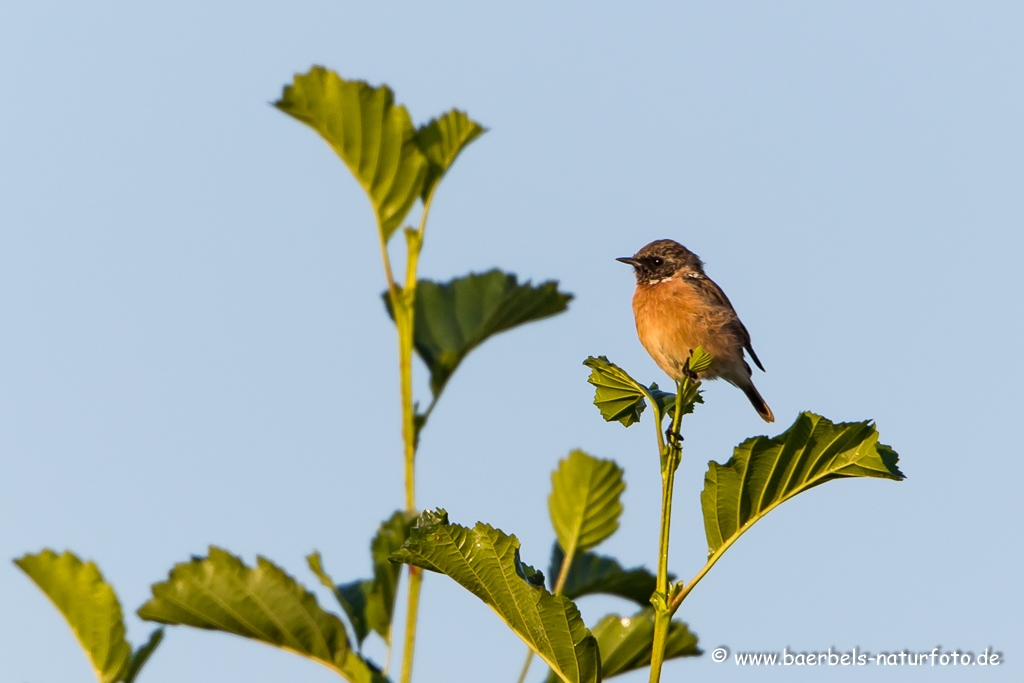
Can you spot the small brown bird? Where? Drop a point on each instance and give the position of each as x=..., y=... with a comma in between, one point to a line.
x=678, y=308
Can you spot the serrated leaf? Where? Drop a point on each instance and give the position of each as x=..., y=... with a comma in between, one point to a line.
x=584, y=503
x=441, y=140
x=88, y=603
x=220, y=593
x=618, y=396
x=485, y=561
x=142, y=654
x=374, y=138
x=370, y=603
x=763, y=472
x=453, y=318
x=591, y=573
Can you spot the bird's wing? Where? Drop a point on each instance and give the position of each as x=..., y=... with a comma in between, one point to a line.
x=710, y=290
x=715, y=293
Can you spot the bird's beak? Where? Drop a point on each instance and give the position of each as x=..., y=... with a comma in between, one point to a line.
x=630, y=260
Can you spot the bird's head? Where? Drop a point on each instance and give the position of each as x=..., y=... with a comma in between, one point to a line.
x=663, y=259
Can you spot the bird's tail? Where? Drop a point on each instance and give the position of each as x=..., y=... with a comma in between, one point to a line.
x=755, y=400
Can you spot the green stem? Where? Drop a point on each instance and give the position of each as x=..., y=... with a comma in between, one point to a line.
x=667, y=482
x=405, y=316
x=670, y=457
x=404, y=322
x=387, y=656
x=662, y=620
x=662, y=616
x=526, y=666
x=563, y=574
x=677, y=600
x=415, y=582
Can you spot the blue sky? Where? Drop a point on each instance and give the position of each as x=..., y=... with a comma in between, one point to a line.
x=194, y=349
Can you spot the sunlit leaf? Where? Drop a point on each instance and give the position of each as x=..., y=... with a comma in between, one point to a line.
x=88, y=603
x=700, y=360
x=618, y=396
x=441, y=140
x=370, y=603
x=591, y=573
x=621, y=398
x=763, y=472
x=486, y=562
x=455, y=317
x=584, y=502
x=374, y=137
x=142, y=654
x=221, y=593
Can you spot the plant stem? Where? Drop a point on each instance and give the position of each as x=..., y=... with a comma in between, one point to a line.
x=387, y=655
x=677, y=600
x=671, y=453
x=405, y=317
x=667, y=481
x=404, y=323
x=662, y=616
x=415, y=581
x=662, y=620
x=405, y=331
x=526, y=666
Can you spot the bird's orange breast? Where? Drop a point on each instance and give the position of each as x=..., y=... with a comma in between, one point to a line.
x=672, y=319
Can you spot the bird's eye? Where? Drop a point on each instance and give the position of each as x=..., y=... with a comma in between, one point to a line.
x=657, y=261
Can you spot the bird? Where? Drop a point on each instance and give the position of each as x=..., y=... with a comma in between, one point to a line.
x=678, y=308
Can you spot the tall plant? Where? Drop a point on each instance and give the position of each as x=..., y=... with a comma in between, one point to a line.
x=762, y=474
x=397, y=165
x=400, y=165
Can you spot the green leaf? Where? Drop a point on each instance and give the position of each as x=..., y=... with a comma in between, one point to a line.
x=441, y=140
x=221, y=593
x=618, y=396
x=351, y=596
x=699, y=360
x=621, y=398
x=626, y=642
x=584, y=503
x=666, y=401
x=485, y=561
x=374, y=137
x=370, y=603
x=354, y=597
x=88, y=603
x=142, y=654
x=763, y=472
x=591, y=573
x=453, y=318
